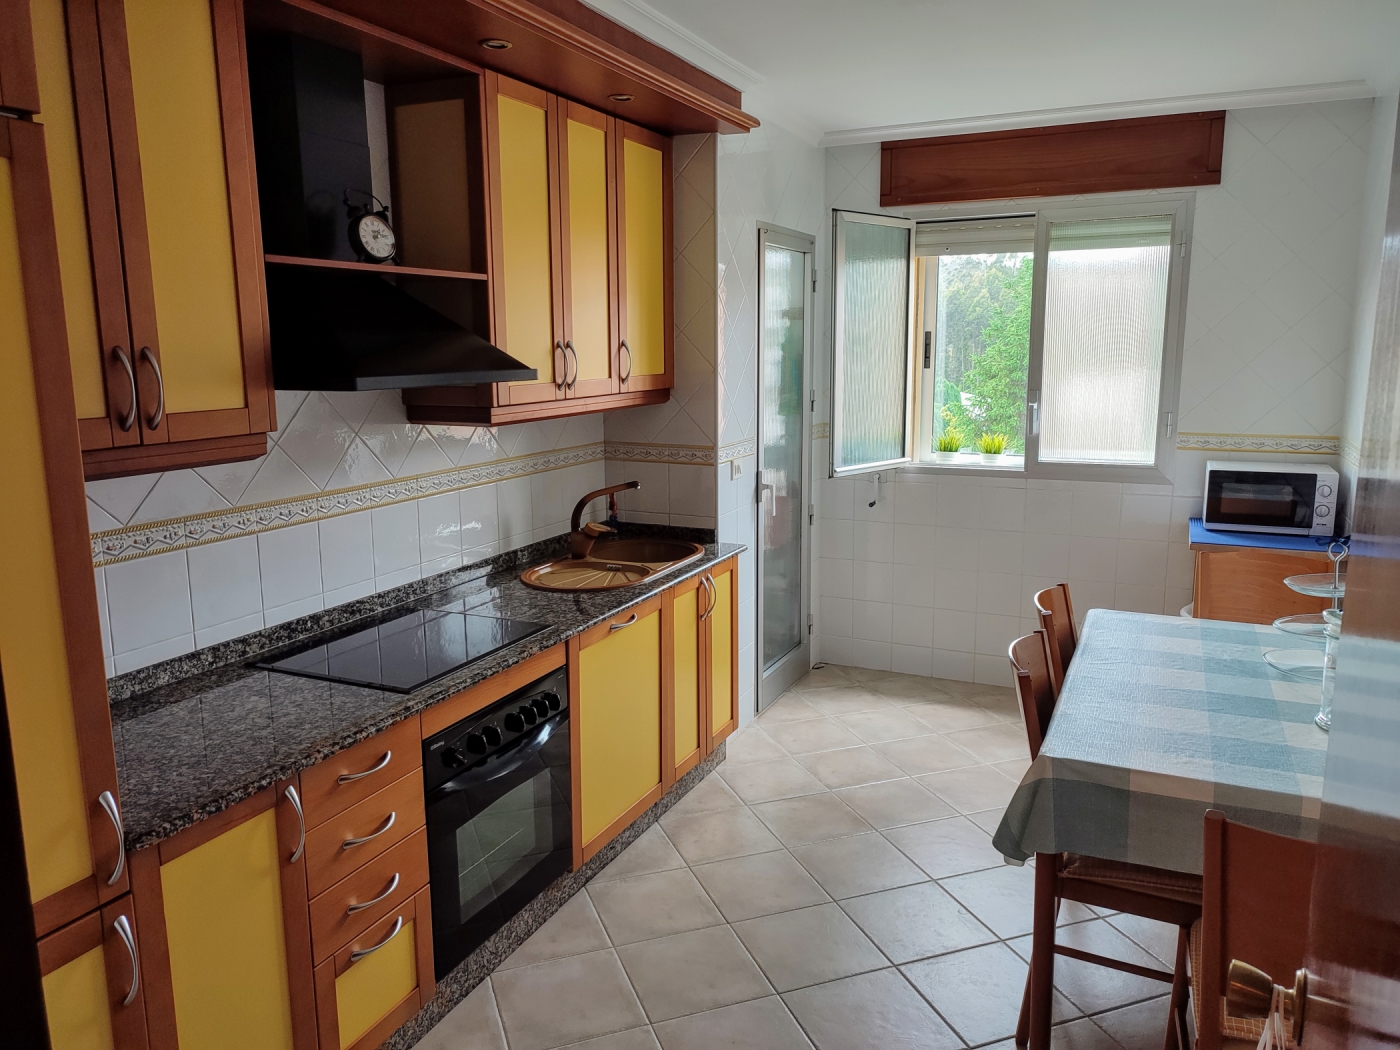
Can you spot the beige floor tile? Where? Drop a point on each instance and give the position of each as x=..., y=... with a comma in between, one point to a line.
x=633, y=1039
x=651, y=852
x=763, y=1024
x=1003, y=898
x=872, y=1010
x=999, y=743
x=798, y=948
x=894, y=803
x=690, y=972
x=844, y=700
x=979, y=991
x=810, y=818
x=554, y=1003
x=1084, y=1034
x=765, y=781
x=904, y=688
x=814, y=734
x=473, y=1024
x=914, y=922
x=988, y=819
x=1015, y=768
x=1002, y=703
x=1096, y=988
x=652, y=906
x=1159, y=938
x=830, y=674
x=874, y=727
x=790, y=707
x=947, y=715
x=947, y=847
x=703, y=837
x=572, y=930
x=971, y=790
x=763, y=884
x=710, y=794
x=751, y=745
x=1142, y=1026
x=931, y=753
x=850, y=766
x=858, y=864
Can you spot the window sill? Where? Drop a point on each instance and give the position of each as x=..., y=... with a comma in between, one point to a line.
x=971, y=464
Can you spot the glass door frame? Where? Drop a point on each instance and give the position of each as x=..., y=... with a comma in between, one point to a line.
x=774, y=681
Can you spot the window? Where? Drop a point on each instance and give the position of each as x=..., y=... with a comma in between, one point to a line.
x=1045, y=343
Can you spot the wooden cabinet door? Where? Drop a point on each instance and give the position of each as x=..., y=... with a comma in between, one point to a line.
x=686, y=707
x=522, y=165
x=19, y=87
x=55, y=683
x=616, y=690
x=588, y=238
x=226, y=942
x=644, y=258
x=92, y=982
x=722, y=643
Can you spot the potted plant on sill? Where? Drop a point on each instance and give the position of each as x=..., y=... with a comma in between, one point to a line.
x=992, y=446
x=947, y=447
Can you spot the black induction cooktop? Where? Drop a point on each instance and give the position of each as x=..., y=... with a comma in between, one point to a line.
x=406, y=652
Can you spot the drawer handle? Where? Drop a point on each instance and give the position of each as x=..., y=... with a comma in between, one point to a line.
x=295, y=800
x=360, y=953
x=123, y=927
x=388, y=823
x=346, y=778
x=109, y=806
x=393, y=885
x=619, y=626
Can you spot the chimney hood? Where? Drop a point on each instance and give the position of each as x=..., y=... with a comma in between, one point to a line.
x=342, y=329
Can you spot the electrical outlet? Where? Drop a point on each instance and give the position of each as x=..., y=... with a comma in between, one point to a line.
x=736, y=469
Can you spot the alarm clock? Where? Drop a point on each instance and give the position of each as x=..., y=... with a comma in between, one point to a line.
x=371, y=235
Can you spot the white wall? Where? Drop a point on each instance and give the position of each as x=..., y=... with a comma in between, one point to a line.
x=938, y=577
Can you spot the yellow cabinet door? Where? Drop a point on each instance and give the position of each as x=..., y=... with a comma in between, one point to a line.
x=616, y=693
x=688, y=678
x=721, y=637
x=585, y=143
x=91, y=983
x=521, y=152
x=644, y=263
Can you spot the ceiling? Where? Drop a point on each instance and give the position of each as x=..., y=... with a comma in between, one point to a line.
x=856, y=70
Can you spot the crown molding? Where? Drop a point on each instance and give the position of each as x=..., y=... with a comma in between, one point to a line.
x=666, y=32
x=1282, y=96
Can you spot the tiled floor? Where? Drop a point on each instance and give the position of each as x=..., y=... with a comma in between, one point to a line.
x=832, y=884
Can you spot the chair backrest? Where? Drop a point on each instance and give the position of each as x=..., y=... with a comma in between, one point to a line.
x=1056, y=614
x=1030, y=663
x=1256, y=895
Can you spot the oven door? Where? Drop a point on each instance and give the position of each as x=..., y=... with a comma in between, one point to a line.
x=498, y=834
x=1260, y=501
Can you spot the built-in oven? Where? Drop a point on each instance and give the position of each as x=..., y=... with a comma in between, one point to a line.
x=1290, y=498
x=499, y=819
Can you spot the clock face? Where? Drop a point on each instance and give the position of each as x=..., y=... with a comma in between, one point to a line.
x=376, y=238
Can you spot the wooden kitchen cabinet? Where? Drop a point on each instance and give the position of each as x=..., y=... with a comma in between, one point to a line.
x=1246, y=584
x=156, y=210
x=616, y=689
x=687, y=708
x=93, y=992
x=721, y=639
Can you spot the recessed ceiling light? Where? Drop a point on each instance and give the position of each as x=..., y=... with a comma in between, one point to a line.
x=621, y=97
x=495, y=44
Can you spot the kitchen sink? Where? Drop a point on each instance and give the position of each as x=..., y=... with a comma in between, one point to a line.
x=610, y=564
x=658, y=554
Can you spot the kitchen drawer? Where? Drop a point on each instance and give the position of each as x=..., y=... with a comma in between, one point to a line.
x=380, y=822
x=333, y=786
x=333, y=924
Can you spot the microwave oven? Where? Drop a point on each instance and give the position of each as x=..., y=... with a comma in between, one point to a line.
x=1295, y=499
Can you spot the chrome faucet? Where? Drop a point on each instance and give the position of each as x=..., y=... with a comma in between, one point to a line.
x=581, y=539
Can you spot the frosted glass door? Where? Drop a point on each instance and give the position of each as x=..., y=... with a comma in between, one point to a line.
x=783, y=496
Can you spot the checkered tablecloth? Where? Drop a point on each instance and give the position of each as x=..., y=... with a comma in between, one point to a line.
x=1160, y=719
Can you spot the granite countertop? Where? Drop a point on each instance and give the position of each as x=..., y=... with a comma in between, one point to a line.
x=199, y=733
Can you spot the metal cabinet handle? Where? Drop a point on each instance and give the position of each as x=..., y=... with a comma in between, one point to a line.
x=109, y=805
x=295, y=800
x=123, y=927
x=346, y=778
x=709, y=584
x=388, y=823
x=129, y=420
x=154, y=421
x=619, y=626
x=393, y=885
x=559, y=349
x=359, y=954
x=569, y=351
x=622, y=345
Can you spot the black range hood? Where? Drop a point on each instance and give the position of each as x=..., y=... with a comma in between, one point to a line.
x=335, y=329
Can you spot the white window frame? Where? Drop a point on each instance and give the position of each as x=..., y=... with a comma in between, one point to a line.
x=1181, y=206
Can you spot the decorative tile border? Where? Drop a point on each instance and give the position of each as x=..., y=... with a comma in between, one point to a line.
x=1290, y=444
x=738, y=450
x=1351, y=455
x=701, y=455
x=157, y=537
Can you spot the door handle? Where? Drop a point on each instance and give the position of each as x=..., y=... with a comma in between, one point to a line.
x=619, y=626
x=360, y=953
x=559, y=349
x=767, y=494
x=154, y=421
x=1249, y=992
x=346, y=778
x=129, y=420
x=622, y=345
x=388, y=823
x=295, y=800
x=123, y=927
x=109, y=806
x=1034, y=405
x=569, y=352
x=393, y=885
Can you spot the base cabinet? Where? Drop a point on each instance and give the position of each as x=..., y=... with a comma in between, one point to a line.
x=92, y=982
x=721, y=637
x=1246, y=584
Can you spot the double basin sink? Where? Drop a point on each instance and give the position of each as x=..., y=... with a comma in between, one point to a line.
x=610, y=564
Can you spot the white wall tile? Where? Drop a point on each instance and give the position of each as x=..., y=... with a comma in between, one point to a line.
x=395, y=538
x=439, y=527
x=289, y=563
x=347, y=553
x=100, y=578
x=477, y=513
x=513, y=510
x=148, y=601
x=292, y=610
x=225, y=583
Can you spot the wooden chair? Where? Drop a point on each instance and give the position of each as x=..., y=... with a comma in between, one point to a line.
x=1056, y=614
x=1154, y=893
x=1256, y=892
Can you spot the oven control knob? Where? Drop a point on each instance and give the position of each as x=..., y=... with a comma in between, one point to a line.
x=492, y=736
x=541, y=706
x=1323, y=511
x=527, y=712
x=454, y=757
x=1324, y=491
x=476, y=743
x=514, y=723
x=552, y=700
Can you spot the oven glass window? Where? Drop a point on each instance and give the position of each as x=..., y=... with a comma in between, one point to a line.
x=1267, y=500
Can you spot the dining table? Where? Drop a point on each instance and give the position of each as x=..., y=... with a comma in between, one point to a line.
x=1159, y=719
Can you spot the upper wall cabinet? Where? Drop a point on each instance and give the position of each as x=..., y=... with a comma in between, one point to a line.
x=579, y=205
x=151, y=168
